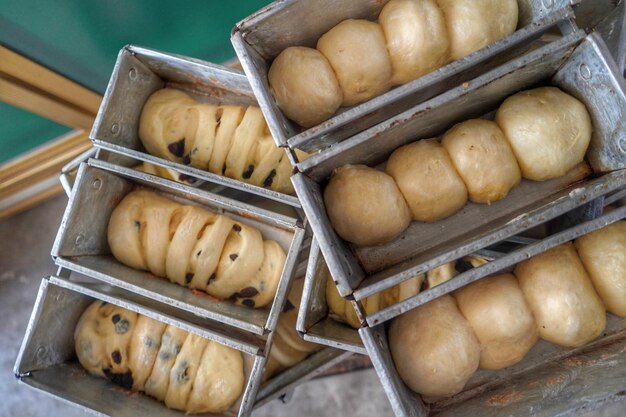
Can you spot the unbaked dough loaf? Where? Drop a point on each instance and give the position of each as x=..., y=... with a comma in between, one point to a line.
x=365, y=206
x=417, y=38
x=548, y=130
x=434, y=348
x=483, y=158
x=357, y=53
x=195, y=248
x=304, y=85
x=225, y=140
x=500, y=318
x=187, y=372
x=427, y=179
x=474, y=24
x=603, y=253
x=566, y=307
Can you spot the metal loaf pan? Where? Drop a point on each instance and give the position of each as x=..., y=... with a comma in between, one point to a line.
x=138, y=73
x=550, y=380
x=583, y=69
x=47, y=361
x=259, y=38
x=81, y=243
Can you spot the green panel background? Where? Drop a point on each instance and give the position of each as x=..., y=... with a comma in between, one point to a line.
x=81, y=38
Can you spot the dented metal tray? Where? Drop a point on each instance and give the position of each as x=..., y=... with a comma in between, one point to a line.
x=137, y=74
x=584, y=69
x=81, y=243
x=259, y=38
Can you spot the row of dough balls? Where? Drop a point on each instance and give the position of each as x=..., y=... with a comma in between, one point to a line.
x=357, y=59
x=185, y=371
x=539, y=134
x=342, y=310
x=227, y=140
x=195, y=248
x=288, y=347
x=559, y=295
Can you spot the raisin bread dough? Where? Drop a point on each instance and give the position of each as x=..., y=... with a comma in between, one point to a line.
x=226, y=140
x=195, y=248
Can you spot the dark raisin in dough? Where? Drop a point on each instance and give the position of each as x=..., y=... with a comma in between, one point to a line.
x=116, y=356
x=270, y=179
x=124, y=380
x=247, y=292
x=188, y=277
x=248, y=303
x=233, y=256
x=177, y=148
x=248, y=173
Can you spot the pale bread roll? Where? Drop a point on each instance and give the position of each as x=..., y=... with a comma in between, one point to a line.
x=483, y=158
x=304, y=85
x=548, y=130
x=365, y=206
x=417, y=38
x=566, y=307
x=474, y=24
x=427, y=179
x=500, y=318
x=357, y=53
x=603, y=253
x=434, y=348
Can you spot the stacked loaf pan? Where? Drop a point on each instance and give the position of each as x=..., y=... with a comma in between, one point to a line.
x=469, y=87
x=96, y=182
x=581, y=65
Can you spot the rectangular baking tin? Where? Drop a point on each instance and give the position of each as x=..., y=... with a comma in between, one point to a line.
x=259, y=38
x=137, y=74
x=81, y=243
x=588, y=73
x=47, y=360
x=550, y=380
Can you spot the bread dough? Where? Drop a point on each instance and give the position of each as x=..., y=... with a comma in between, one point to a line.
x=483, y=158
x=365, y=206
x=434, y=349
x=171, y=344
x=304, y=85
x=417, y=38
x=603, y=253
x=196, y=248
x=143, y=350
x=500, y=318
x=566, y=307
x=219, y=381
x=548, y=130
x=184, y=371
x=440, y=274
x=357, y=53
x=225, y=140
x=427, y=179
x=474, y=24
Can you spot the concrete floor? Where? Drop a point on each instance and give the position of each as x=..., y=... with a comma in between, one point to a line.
x=25, y=242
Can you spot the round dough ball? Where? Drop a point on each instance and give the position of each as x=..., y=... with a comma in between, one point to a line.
x=434, y=348
x=427, y=179
x=558, y=290
x=502, y=321
x=474, y=24
x=603, y=253
x=365, y=206
x=304, y=85
x=483, y=158
x=356, y=50
x=417, y=38
x=549, y=131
